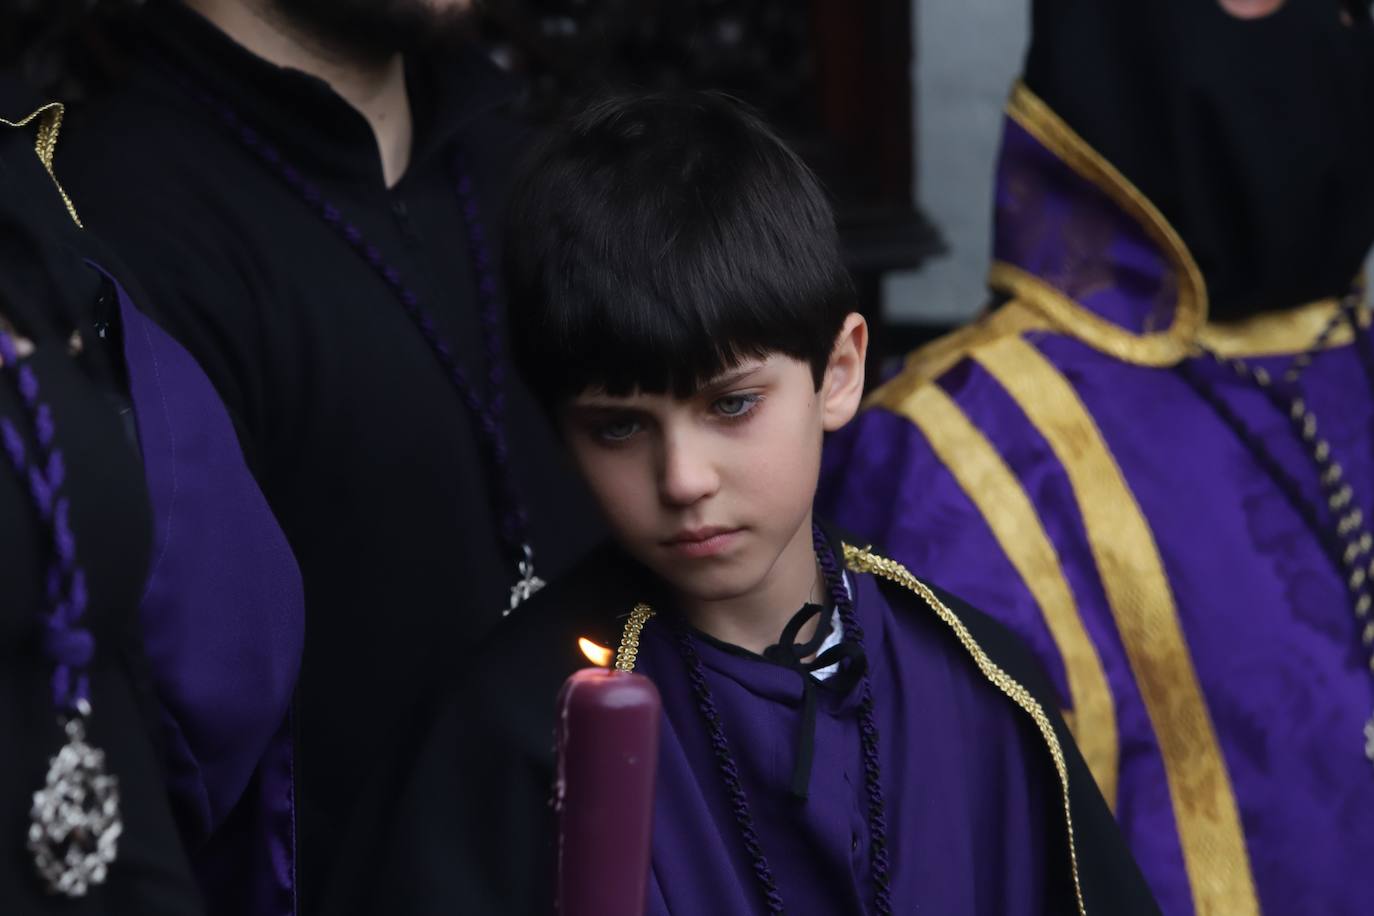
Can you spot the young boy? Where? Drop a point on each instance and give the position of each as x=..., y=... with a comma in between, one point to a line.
x=681, y=307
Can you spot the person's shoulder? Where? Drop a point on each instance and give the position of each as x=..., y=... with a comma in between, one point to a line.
x=490, y=104
x=924, y=367
x=989, y=644
x=140, y=155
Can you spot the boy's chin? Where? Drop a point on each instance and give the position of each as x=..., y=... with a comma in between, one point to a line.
x=727, y=582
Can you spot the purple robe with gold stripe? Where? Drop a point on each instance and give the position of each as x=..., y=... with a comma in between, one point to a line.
x=1052, y=465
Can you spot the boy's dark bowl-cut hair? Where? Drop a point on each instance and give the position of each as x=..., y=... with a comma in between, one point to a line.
x=658, y=240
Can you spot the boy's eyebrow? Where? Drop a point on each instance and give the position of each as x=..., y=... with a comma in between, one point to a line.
x=615, y=405
x=732, y=377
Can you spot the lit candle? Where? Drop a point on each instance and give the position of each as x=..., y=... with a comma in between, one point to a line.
x=607, y=757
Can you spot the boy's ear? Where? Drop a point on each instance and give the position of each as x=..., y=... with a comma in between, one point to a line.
x=843, y=387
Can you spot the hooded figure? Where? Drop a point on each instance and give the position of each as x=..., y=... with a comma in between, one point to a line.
x=1153, y=457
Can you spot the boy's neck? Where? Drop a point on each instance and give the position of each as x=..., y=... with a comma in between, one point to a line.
x=754, y=620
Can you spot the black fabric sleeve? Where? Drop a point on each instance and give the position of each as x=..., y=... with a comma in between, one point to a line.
x=472, y=828
x=478, y=836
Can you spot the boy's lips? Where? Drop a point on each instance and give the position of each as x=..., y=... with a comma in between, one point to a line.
x=702, y=542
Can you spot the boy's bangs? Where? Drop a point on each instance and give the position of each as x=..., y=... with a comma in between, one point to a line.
x=648, y=344
x=662, y=359
x=661, y=242
x=672, y=323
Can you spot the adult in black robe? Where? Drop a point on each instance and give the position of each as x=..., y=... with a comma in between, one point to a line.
x=369, y=458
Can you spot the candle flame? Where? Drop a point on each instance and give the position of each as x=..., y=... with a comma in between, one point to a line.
x=597, y=655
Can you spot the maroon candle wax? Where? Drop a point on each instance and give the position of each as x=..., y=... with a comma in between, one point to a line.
x=607, y=758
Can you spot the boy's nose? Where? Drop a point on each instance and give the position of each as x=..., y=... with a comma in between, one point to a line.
x=687, y=474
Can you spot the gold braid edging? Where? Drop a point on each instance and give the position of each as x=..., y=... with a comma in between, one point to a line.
x=629, y=640
x=864, y=561
x=49, y=119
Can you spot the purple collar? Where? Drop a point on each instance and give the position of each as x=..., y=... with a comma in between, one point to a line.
x=1078, y=243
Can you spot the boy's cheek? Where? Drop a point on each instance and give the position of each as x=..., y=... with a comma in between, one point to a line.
x=616, y=485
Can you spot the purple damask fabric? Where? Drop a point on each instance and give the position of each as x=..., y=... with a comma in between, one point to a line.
x=1265, y=612
x=1074, y=236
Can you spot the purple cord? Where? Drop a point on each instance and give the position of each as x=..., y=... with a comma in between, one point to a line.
x=868, y=738
x=69, y=646
x=868, y=728
x=729, y=774
x=489, y=411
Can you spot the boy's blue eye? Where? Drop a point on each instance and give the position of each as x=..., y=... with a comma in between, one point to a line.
x=733, y=406
x=617, y=430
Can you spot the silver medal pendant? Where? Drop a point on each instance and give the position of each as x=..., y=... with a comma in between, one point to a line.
x=75, y=823
x=529, y=583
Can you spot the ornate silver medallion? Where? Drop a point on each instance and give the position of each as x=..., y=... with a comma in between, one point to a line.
x=75, y=823
x=529, y=583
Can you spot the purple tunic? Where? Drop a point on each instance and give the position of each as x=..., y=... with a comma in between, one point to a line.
x=1052, y=466
x=967, y=781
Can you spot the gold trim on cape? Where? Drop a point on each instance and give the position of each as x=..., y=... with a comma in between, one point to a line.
x=49, y=118
x=1001, y=500
x=865, y=561
x=1142, y=605
x=628, y=653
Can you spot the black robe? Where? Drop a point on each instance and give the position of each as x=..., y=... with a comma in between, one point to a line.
x=366, y=454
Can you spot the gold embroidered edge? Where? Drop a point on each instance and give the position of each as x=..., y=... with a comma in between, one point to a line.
x=1142, y=605
x=927, y=363
x=997, y=494
x=1190, y=310
x=1284, y=333
x=1160, y=349
x=1272, y=334
x=865, y=561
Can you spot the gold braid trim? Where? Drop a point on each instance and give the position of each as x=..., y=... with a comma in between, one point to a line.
x=629, y=640
x=864, y=561
x=49, y=118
